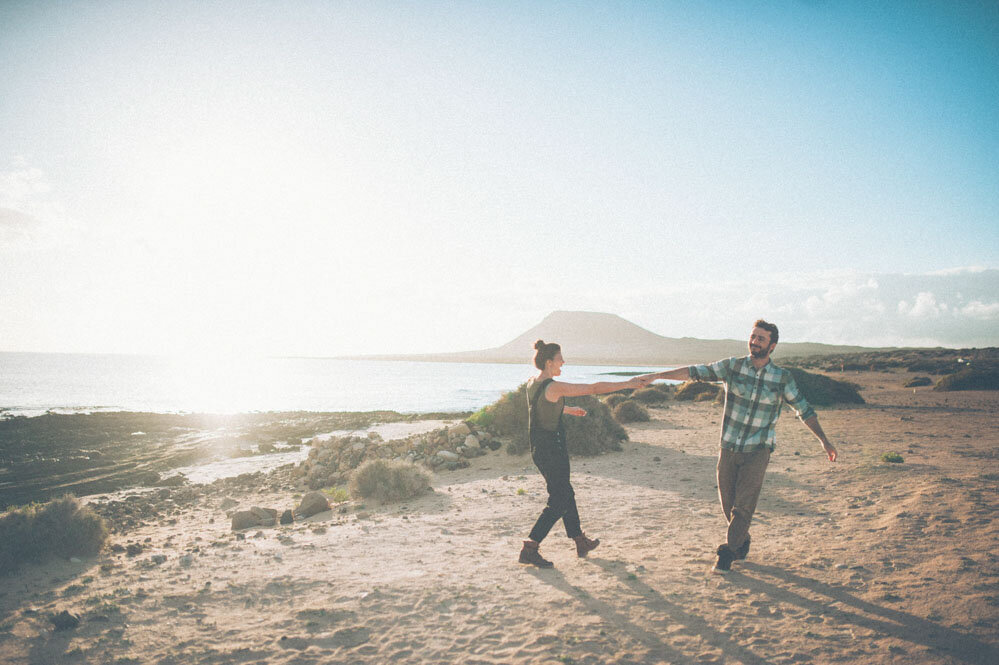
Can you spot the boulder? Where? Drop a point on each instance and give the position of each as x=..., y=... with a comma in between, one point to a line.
x=459, y=431
x=287, y=517
x=65, y=620
x=244, y=519
x=471, y=441
x=312, y=503
x=266, y=516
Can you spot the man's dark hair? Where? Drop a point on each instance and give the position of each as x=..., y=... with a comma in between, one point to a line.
x=770, y=328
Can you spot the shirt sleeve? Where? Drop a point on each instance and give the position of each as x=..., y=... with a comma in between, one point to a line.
x=717, y=371
x=796, y=400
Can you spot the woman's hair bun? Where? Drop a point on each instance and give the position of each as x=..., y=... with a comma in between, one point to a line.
x=539, y=344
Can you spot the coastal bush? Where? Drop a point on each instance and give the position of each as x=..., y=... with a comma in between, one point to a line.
x=62, y=527
x=630, y=411
x=614, y=399
x=820, y=390
x=696, y=391
x=650, y=395
x=970, y=379
x=892, y=457
x=593, y=434
x=388, y=480
x=918, y=381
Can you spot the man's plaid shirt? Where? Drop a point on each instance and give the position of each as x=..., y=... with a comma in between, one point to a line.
x=753, y=399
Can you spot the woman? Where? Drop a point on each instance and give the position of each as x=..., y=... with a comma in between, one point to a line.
x=546, y=404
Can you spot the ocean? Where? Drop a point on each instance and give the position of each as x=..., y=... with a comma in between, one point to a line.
x=32, y=384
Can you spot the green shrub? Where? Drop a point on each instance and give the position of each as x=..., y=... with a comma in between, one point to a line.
x=650, y=395
x=336, y=494
x=970, y=379
x=388, y=480
x=820, y=390
x=61, y=527
x=630, y=411
x=892, y=457
x=593, y=434
x=918, y=381
x=696, y=391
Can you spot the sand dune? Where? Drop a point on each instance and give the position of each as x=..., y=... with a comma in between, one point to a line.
x=854, y=562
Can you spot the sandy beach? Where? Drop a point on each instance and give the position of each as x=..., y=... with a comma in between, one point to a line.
x=860, y=561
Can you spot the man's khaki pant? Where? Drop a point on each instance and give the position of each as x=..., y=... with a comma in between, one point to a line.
x=740, y=479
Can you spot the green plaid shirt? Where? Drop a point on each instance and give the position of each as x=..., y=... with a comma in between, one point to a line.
x=753, y=399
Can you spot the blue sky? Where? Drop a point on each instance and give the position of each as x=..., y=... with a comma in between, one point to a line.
x=324, y=178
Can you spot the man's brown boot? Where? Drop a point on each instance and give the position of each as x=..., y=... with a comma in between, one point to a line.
x=584, y=544
x=530, y=555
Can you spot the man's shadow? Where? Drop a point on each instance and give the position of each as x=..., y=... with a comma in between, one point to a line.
x=885, y=620
x=672, y=614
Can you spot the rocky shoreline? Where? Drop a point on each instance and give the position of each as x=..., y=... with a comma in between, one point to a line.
x=46, y=456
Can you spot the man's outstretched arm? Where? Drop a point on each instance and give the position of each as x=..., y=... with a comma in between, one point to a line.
x=678, y=374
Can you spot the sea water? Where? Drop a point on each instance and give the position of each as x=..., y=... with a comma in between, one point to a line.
x=36, y=383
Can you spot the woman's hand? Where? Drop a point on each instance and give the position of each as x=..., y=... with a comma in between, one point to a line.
x=575, y=411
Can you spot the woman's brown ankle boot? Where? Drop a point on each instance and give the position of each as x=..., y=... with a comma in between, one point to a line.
x=530, y=555
x=584, y=544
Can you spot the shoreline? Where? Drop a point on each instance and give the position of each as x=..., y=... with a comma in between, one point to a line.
x=53, y=454
x=861, y=561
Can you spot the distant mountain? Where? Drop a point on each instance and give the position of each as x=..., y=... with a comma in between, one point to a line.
x=596, y=338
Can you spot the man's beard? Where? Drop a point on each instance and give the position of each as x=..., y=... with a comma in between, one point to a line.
x=758, y=352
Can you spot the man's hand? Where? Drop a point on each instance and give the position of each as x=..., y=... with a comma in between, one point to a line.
x=830, y=451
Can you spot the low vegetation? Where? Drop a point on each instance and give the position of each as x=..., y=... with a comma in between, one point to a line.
x=597, y=432
x=630, y=411
x=62, y=527
x=654, y=394
x=892, y=458
x=697, y=391
x=971, y=378
x=820, y=390
x=388, y=480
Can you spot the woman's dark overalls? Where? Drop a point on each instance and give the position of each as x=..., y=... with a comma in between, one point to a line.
x=549, y=452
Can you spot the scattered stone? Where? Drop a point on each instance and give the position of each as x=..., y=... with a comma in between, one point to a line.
x=228, y=503
x=173, y=481
x=244, y=519
x=459, y=431
x=65, y=620
x=186, y=561
x=312, y=503
x=287, y=517
x=266, y=516
x=159, y=559
x=133, y=549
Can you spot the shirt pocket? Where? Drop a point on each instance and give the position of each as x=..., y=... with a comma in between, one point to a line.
x=769, y=394
x=743, y=387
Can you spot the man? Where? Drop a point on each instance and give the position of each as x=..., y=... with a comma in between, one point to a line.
x=755, y=390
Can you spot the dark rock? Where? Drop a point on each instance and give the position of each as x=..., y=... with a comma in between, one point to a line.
x=244, y=519
x=312, y=503
x=133, y=549
x=287, y=517
x=65, y=620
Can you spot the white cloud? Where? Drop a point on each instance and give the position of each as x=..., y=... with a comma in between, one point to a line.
x=925, y=306
x=27, y=210
x=979, y=310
